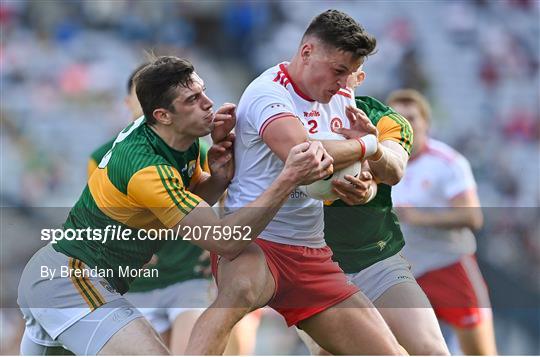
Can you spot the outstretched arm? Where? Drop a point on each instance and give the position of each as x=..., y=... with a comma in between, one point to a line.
x=305, y=162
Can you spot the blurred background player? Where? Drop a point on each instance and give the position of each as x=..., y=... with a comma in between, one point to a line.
x=439, y=210
x=367, y=242
x=135, y=111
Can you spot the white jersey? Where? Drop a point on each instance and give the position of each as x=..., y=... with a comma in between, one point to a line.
x=432, y=179
x=270, y=96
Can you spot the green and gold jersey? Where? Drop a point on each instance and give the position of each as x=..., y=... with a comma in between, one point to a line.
x=141, y=183
x=203, y=151
x=97, y=155
x=177, y=261
x=362, y=235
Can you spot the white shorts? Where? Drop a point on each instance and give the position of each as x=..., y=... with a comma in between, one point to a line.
x=162, y=306
x=50, y=303
x=381, y=276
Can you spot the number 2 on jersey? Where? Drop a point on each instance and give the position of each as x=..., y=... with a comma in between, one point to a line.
x=313, y=126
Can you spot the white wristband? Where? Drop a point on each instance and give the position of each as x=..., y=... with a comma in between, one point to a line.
x=370, y=142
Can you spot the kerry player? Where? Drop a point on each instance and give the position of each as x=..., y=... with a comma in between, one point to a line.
x=173, y=300
x=150, y=178
x=367, y=241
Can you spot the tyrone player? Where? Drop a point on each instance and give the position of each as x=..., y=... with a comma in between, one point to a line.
x=290, y=267
x=440, y=208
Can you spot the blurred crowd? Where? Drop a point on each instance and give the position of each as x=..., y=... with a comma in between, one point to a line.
x=64, y=64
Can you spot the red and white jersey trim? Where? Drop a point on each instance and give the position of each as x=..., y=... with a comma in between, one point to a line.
x=477, y=280
x=285, y=79
x=282, y=79
x=345, y=92
x=273, y=96
x=272, y=119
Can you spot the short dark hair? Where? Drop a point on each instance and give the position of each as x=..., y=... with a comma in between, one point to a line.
x=132, y=76
x=337, y=29
x=157, y=82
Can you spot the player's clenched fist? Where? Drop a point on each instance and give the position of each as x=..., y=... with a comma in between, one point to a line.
x=308, y=162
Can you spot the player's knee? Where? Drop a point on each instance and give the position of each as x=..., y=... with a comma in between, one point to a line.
x=241, y=291
x=243, y=280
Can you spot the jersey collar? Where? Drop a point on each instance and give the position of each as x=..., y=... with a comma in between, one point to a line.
x=297, y=90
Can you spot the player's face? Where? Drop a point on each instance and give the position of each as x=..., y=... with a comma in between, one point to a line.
x=327, y=72
x=193, y=109
x=419, y=124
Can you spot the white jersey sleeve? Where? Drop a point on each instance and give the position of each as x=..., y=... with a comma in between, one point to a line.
x=459, y=178
x=264, y=103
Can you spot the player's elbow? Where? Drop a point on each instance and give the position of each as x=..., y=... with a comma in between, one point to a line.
x=230, y=255
x=231, y=250
x=472, y=217
x=394, y=176
x=476, y=221
x=391, y=167
x=222, y=248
